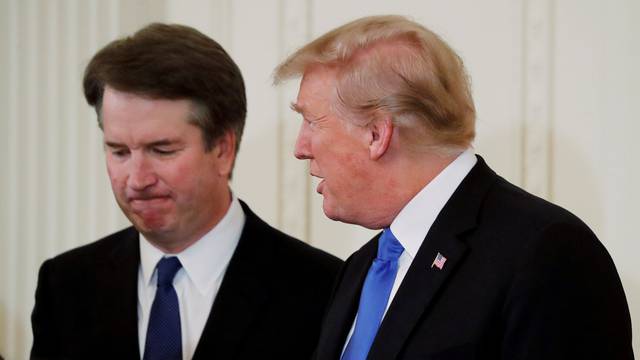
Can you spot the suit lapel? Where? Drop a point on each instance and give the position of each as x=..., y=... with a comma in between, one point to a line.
x=423, y=281
x=344, y=306
x=416, y=292
x=242, y=294
x=117, y=299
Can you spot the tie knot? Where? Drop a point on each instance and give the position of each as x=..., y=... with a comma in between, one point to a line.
x=167, y=269
x=389, y=248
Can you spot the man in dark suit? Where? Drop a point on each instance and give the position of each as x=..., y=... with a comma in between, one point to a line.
x=198, y=275
x=468, y=266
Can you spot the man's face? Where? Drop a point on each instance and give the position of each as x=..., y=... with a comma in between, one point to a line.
x=337, y=151
x=163, y=180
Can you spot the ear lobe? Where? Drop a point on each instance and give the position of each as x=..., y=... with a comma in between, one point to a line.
x=226, y=152
x=381, y=131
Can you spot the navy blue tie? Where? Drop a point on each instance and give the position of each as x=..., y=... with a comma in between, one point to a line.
x=374, y=297
x=164, y=338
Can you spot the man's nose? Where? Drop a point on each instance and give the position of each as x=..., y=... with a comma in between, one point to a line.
x=141, y=173
x=302, y=149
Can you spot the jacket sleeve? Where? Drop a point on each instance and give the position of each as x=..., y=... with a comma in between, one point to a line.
x=43, y=316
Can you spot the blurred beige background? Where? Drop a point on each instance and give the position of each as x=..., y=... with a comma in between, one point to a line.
x=556, y=85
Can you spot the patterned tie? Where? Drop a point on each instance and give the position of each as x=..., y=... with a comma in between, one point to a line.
x=164, y=338
x=374, y=297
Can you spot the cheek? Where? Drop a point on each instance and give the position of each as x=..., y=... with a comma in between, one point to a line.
x=187, y=177
x=116, y=176
x=349, y=174
x=340, y=149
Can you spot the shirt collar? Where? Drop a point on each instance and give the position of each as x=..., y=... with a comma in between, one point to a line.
x=415, y=219
x=206, y=259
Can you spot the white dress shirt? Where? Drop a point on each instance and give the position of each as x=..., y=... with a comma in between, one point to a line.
x=413, y=222
x=203, y=266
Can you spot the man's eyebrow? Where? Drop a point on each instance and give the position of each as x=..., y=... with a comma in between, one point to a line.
x=297, y=108
x=161, y=142
x=113, y=144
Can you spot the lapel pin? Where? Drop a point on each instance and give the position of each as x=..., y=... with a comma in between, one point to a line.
x=439, y=261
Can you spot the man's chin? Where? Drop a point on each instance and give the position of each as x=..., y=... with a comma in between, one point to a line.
x=158, y=237
x=339, y=214
x=150, y=226
x=331, y=211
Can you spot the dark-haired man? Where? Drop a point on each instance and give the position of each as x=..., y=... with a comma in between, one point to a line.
x=468, y=266
x=198, y=275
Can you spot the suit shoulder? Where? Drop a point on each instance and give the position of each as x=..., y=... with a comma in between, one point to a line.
x=511, y=218
x=513, y=201
x=74, y=270
x=95, y=251
x=289, y=250
x=301, y=254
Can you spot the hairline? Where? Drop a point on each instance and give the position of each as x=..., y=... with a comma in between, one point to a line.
x=198, y=113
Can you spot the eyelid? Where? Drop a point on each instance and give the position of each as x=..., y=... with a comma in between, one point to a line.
x=309, y=122
x=163, y=150
x=118, y=150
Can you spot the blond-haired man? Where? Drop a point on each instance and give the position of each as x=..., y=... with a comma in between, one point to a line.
x=468, y=265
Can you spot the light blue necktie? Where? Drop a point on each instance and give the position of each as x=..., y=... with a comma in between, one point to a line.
x=164, y=337
x=374, y=297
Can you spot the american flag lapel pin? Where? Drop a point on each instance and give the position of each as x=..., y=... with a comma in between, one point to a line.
x=439, y=261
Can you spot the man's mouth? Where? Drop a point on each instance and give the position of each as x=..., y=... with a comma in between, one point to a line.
x=146, y=202
x=320, y=181
x=320, y=187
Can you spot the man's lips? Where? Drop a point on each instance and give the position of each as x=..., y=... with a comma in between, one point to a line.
x=320, y=183
x=146, y=197
x=320, y=187
x=147, y=202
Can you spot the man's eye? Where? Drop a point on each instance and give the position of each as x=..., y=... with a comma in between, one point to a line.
x=161, y=151
x=119, y=152
x=309, y=122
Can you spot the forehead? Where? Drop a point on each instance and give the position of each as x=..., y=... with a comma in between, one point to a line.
x=139, y=118
x=116, y=102
x=317, y=88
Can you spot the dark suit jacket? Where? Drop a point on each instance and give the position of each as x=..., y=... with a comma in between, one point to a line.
x=269, y=306
x=524, y=279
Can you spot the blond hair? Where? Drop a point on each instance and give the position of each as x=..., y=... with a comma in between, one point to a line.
x=394, y=65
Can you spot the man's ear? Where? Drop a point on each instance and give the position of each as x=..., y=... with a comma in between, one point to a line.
x=380, y=132
x=225, y=152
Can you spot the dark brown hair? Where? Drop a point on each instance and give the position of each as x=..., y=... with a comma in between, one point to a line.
x=173, y=62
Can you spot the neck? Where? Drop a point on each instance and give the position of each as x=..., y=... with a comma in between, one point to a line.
x=401, y=180
x=165, y=244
